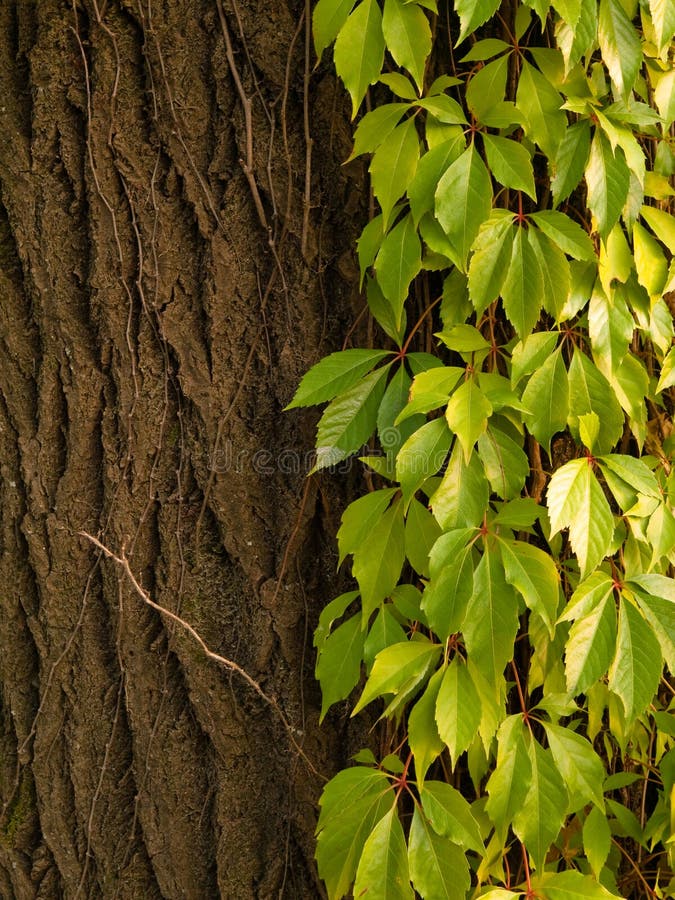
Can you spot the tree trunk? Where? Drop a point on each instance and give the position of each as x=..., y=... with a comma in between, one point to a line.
x=175, y=229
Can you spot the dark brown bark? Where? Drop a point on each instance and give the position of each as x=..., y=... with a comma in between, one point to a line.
x=170, y=264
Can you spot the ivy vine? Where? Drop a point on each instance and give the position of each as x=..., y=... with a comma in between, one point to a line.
x=513, y=615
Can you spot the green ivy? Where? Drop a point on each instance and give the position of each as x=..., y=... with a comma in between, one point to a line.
x=513, y=613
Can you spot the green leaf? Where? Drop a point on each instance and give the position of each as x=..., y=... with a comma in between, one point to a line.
x=332, y=611
x=447, y=595
x=555, y=270
x=610, y=327
x=397, y=263
x=535, y=576
x=491, y=621
x=383, y=869
x=472, y=14
x=597, y=837
x=607, y=179
x=663, y=18
x=384, y=632
x=450, y=815
x=489, y=261
x=335, y=374
x=486, y=89
x=349, y=420
x=423, y=737
x=393, y=166
x=656, y=596
x=399, y=85
x=570, y=160
x=359, y=519
x=523, y=287
x=328, y=18
x=540, y=104
x=408, y=37
x=422, y=456
x=397, y=668
x=338, y=667
x=576, y=501
x=650, y=261
x=438, y=868
x=394, y=400
x=368, y=244
x=580, y=766
x=467, y=414
x=635, y=472
x=359, y=50
x=565, y=233
x=510, y=164
x=590, y=645
x=382, y=312
x=464, y=201
x=506, y=465
x=662, y=224
x=462, y=496
x=546, y=395
x=376, y=126
x=530, y=354
x=570, y=885
x=509, y=783
x=379, y=559
x=580, y=40
x=541, y=816
x=421, y=531
x=458, y=709
x=485, y=49
x=351, y=803
x=589, y=391
x=620, y=45
x=635, y=672
x=429, y=170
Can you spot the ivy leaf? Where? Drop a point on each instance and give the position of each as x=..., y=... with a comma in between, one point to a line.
x=351, y=804
x=359, y=50
x=663, y=18
x=421, y=532
x=590, y=392
x=662, y=224
x=383, y=869
x=398, y=668
x=597, y=838
x=509, y=783
x=580, y=766
x=541, y=816
x=510, y=164
x=376, y=126
x=429, y=170
x=491, y=620
x=506, y=465
x=328, y=18
x=447, y=595
x=439, y=869
x=473, y=13
x=489, y=261
x=607, y=179
x=650, y=261
x=335, y=374
x=540, y=103
x=570, y=160
x=590, y=645
x=359, y=519
x=422, y=456
x=458, y=709
x=332, y=611
x=397, y=263
x=635, y=672
x=620, y=45
x=408, y=36
x=379, y=559
x=535, y=576
x=523, y=287
x=576, y=501
x=464, y=201
x=567, y=234
x=571, y=885
x=349, y=420
x=423, y=737
x=555, y=271
x=529, y=355
x=393, y=166
x=462, y=496
x=655, y=595
x=546, y=395
x=467, y=414
x=450, y=815
x=338, y=667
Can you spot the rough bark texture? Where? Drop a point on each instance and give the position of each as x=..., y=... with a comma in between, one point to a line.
x=170, y=264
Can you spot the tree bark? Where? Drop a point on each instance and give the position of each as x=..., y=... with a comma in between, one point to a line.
x=175, y=234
